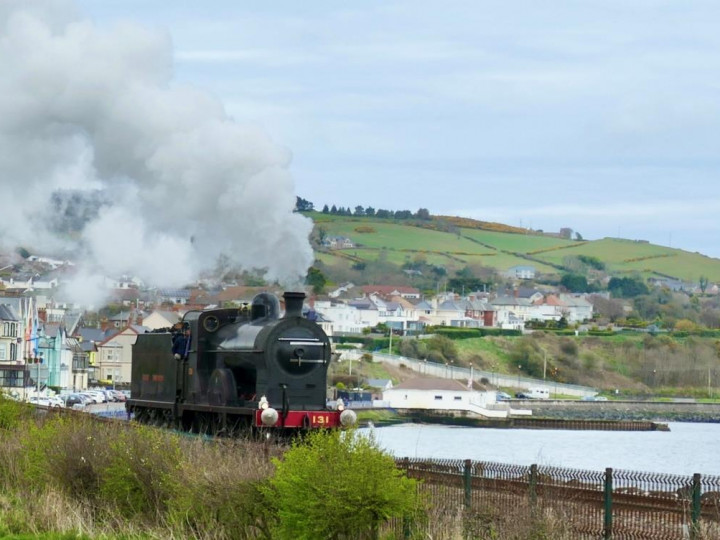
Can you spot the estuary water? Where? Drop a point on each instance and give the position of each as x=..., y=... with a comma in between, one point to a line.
x=686, y=449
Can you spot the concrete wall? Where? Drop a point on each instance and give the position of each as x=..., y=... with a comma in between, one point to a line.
x=627, y=410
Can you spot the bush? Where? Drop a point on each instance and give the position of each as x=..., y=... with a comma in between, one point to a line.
x=11, y=413
x=65, y=453
x=139, y=471
x=569, y=347
x=338, y=484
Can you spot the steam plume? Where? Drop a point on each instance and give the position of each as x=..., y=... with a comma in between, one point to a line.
x=172, y=181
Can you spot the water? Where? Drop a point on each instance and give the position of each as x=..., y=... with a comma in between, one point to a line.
x=686, y=449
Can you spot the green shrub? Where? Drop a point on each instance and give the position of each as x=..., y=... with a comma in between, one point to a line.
x=338, y=484
x=138, y=476
x=11, y=413
x=64, y=452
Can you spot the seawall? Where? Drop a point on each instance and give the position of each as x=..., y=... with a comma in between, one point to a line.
x=622, y=410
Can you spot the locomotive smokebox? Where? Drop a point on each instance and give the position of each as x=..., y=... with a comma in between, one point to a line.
x=293, y=303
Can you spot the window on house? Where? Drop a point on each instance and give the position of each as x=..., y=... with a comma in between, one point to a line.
x=457, y=398
x=438, y=398
x=3, y=351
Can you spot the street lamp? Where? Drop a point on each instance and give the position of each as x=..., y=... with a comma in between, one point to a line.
x=519, y=370
x=37, y=360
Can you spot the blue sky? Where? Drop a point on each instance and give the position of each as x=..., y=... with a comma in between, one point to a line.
x=602, y=116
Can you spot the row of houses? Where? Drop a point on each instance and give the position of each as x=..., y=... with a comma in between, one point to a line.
x=42, y=342
x=39, y=347
x=403, y=309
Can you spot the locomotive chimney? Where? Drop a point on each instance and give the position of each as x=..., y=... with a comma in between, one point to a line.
x=293, y=303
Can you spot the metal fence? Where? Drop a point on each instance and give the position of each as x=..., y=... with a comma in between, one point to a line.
x=609, y=504
x=449, y=371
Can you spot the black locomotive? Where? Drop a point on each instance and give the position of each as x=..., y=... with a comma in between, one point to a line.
x=243, y=368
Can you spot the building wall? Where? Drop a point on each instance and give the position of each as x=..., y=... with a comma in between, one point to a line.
x=435, y=399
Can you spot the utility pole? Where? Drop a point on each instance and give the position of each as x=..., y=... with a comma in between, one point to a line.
x=544, y=364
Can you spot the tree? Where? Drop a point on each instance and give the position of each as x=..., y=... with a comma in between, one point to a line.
x=338, y=484
x=423, y=213
x=578, y=236
x=322, y=234
x=574, y=283
x=684, y=325
x=303, y=205
x=627, y=287
x=333, y=209
x=703, y=282
x=325, y=209
x=383, y=214
x=316, y=279
x=370, y=211
x=359, y=210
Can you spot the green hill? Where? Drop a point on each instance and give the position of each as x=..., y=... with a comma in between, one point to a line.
x=456, y=242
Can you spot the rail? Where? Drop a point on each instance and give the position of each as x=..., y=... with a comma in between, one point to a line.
x=595, y=504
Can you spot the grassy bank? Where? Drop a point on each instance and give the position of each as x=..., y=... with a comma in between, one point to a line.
x=70, y=477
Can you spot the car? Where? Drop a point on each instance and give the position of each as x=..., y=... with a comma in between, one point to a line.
x=523, y=395
x=502, y=396
x=45, y=402
x=119, y=396
x=93, y=396
x=73, y=401
x=56, y=401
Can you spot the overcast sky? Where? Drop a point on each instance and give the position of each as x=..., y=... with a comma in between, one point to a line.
x=602, y=116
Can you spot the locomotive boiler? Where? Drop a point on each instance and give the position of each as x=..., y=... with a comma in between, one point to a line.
x=243, y=368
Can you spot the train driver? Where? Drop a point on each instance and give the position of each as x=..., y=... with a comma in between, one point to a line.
x=181, y=345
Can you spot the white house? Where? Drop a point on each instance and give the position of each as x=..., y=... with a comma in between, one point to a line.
x=369, y=314
x=344, y=318
x=161, y=319
x=521, y=272
x=579, y=308
x=444, y=395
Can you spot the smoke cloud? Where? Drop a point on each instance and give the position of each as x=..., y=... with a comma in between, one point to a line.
x=160, y=180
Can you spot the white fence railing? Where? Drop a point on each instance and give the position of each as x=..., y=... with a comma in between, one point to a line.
x=448, y=371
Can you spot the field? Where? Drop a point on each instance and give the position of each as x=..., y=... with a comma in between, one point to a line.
x=400, y=242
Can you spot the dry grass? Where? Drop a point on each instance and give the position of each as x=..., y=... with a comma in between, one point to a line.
x=87, y=479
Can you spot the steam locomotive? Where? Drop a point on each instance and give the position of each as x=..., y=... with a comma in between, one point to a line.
x=244, y=369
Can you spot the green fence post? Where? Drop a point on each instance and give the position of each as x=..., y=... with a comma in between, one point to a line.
x=533, y=485
x=695, y=511
x=607, y=531
x=467, y=483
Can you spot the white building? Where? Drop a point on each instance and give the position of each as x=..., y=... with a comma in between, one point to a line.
x=161, y=319
x=444, y=395
x=344, y=318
